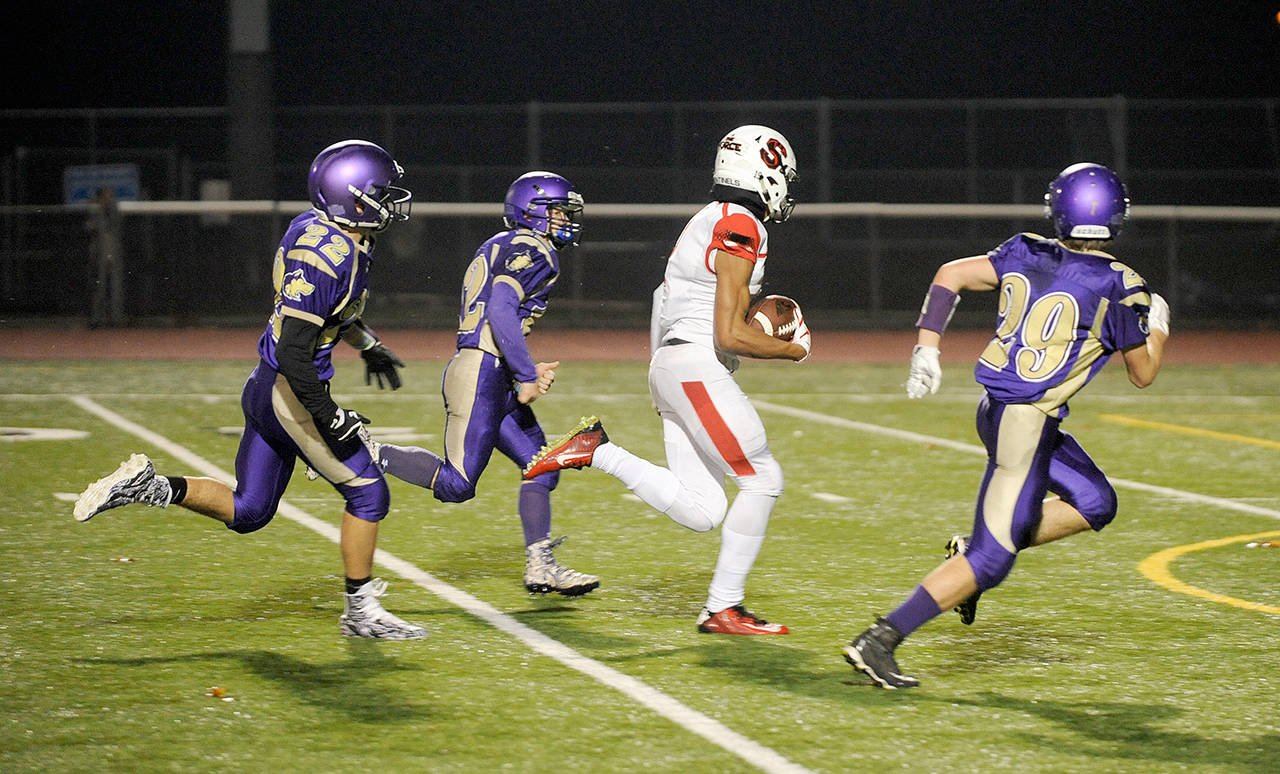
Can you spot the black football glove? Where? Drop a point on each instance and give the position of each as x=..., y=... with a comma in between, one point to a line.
x=344, y=425
x=381, y=362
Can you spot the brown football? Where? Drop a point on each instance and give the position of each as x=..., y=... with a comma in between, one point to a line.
x=775, y=315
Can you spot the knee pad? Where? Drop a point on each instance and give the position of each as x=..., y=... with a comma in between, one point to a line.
x=448, y=492
x=991, y=563
x=251, y=515
x=766, y=481
x=547, y=480
x=699, y=513
x=1098, y=507
x=368, y=502
x=246, y=521
x=451, y=486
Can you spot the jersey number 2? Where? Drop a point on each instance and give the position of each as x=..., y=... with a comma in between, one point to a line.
x=1043, y=331
x=473, y=284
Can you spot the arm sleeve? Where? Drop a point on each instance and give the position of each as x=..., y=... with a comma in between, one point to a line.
x=294, y=355
x=504, y=321
x=655, y=318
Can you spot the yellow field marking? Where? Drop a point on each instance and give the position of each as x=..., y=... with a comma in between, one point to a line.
x=1156, y=567
x=1135, y=422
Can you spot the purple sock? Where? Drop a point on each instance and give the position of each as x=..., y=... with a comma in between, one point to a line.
x=409, y=463
x=535, y=511
x=914, y=613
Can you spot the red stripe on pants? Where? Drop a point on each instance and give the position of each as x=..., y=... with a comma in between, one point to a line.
x=715, y=426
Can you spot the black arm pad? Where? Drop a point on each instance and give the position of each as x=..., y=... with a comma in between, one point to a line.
x=295, y=355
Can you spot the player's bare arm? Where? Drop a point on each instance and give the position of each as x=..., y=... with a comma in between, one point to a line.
x=1142, y=361
x=732, y=333
x=972, y=273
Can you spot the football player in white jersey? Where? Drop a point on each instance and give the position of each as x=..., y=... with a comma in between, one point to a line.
x=698, y=332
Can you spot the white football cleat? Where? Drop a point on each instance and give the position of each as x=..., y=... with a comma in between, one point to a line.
x=135, y=481
x=366, y=617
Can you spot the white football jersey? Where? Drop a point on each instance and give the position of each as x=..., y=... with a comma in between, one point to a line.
x=689, y=302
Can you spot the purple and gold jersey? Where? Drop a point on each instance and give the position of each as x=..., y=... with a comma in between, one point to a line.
x=528, y=264
x=1062, y=314
x=321, y=275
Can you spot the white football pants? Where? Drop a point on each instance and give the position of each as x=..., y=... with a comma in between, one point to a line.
x=711, y=431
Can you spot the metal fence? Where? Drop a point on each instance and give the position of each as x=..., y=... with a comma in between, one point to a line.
x=863, y=265
x=856, y=265
x=1207, y=152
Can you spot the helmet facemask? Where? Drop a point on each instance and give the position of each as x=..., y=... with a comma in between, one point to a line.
x=565, y=229
x=775, y=192
x=391, y=202
x=352, y=184
x=533, y=199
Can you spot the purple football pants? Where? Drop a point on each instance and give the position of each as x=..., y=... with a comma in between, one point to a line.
x=1027, y=457
x=482, y=414
x=268, y=451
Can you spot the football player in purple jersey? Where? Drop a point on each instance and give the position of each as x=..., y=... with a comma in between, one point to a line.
x=1065, y=307
x=321, y=277
x=492, y=378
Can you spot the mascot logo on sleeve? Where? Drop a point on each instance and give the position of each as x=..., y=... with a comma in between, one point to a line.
x=520, y=261
x=296, y=286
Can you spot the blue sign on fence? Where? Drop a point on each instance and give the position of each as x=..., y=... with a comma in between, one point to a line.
x=79, y=184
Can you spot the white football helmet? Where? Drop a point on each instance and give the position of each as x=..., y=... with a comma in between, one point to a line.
x=758, y=159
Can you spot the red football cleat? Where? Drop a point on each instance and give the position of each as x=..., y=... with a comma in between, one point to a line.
x=574, y=450
x=736, y=620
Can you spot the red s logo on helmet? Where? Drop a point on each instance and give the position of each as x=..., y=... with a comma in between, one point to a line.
x=773, y=153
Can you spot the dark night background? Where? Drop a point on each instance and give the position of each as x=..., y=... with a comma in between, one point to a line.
x=1182, y=98
x=147, y=54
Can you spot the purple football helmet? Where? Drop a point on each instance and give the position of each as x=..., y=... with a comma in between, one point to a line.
x=1087, y=201
x=530, y=199
x=351, y=184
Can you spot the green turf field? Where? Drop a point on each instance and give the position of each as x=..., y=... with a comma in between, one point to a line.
x=1080, y=662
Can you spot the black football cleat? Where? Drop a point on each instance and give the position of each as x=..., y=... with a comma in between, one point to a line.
x=872, y=654
x=967, y=609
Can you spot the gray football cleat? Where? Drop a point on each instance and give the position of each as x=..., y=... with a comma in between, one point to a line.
x=135, y=481
x=872, y=654
x=375, y=448
x=543, y=574
x=365, y=616
x=967, y=609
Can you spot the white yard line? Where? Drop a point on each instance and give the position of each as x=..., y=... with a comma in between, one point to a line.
x=907, y=435
x=828, y=497
x=750, y=751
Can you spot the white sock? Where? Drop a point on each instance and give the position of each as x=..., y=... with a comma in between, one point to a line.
x=740, y=543
x=729, y=583
x=654, y=484
x=660, y=488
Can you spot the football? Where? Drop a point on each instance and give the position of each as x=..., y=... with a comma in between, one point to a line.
x=775, y=315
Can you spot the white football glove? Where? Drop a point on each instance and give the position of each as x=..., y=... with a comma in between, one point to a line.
x=802, y=335
x=926, y=373
x=1158, y=317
